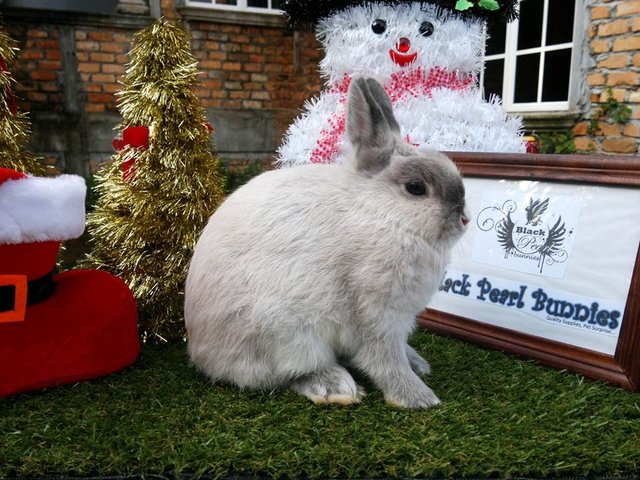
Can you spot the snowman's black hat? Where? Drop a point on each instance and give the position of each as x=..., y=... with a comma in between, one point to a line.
x=306, y=13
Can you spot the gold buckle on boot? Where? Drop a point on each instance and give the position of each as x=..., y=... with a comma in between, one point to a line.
x=18, y=283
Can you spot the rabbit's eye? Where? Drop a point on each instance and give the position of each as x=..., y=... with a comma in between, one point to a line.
x=378, y=26
x=426, y=29
x=417, y=189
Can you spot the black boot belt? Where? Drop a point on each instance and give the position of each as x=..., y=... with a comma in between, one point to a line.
x=38, y=290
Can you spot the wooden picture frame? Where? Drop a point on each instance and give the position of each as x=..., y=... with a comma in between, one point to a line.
x=622, y=368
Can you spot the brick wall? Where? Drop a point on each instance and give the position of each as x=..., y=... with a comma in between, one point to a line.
x=261, y=73
x=253, y=67
x=242, y=67
x=614, y=72
x=38, y=68
x=101, y=54
x=255, y=79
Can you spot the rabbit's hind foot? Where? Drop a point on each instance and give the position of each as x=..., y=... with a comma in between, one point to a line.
x=333, y=384
x=418, y=364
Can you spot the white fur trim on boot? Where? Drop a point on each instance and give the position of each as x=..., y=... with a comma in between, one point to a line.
x=36, y=209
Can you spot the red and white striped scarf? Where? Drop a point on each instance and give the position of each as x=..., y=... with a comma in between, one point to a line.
x=414, y=83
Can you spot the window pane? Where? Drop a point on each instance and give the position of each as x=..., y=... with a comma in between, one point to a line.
x=530, y=28
x=526, y=88
x=495, y=43
x=258, y=3
x=555, y=84
x=560, y=21
x=493, y=70
x=276, y=4
x=226, y=2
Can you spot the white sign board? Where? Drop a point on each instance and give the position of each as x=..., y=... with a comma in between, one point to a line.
x=547, y=259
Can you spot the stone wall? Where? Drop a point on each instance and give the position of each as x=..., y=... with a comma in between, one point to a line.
x=614, y=76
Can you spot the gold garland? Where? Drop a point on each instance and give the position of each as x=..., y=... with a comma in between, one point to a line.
x=15, y=128
x=144, y=228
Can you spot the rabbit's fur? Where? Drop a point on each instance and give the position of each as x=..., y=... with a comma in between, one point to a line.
x=307, y=267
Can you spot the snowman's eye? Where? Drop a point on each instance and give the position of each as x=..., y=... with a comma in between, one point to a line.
x=378, y=26
x=426, y=29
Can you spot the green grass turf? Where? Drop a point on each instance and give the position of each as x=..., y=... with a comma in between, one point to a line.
x=500, y=416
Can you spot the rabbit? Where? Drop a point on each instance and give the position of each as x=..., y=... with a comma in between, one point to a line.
x=306, y=270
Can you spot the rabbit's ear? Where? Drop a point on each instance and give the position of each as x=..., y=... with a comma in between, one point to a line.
x=371, y=126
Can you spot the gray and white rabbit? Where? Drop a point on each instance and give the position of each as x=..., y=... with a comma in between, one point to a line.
x=284, y=293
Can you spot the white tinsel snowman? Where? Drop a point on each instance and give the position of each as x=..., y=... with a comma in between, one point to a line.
x=426, y=55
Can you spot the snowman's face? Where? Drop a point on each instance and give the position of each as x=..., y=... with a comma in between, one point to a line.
x=379, y=39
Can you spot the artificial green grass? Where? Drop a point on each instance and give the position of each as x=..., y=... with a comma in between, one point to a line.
x=500, y=417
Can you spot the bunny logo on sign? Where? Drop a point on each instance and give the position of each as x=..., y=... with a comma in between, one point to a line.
x=532, y=238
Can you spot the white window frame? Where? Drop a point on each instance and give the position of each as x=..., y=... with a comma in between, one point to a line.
x=240, y=7
x=510, y=58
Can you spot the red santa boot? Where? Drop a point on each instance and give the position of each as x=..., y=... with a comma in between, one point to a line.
x=55, y=329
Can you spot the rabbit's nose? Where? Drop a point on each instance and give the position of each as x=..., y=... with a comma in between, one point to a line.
x=403, y=45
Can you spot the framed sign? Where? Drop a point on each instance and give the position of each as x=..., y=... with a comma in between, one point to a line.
x=550, y=266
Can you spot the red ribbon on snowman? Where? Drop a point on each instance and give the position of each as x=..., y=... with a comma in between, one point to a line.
x=413, y=83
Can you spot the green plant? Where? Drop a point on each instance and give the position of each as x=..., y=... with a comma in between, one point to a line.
x=611, y=110
x=557, y=142
x=235, y=177
x=92, y=195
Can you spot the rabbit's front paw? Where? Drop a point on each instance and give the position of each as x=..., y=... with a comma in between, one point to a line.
x=416, y=395
x=330, y=385
x=418, y=364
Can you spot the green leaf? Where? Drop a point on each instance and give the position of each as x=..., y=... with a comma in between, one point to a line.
x=489, y=4
x=463, y=5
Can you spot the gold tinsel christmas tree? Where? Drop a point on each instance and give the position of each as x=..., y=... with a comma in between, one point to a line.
x=160, y=188
x=14, y=126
